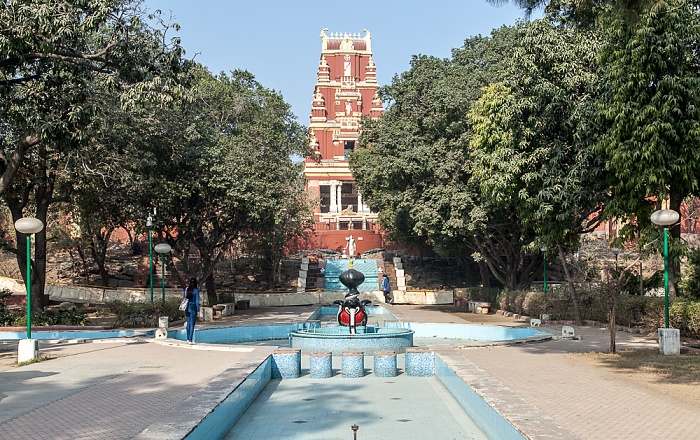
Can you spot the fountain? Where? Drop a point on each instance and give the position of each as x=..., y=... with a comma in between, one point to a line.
x=352, y=331
x=352, y=310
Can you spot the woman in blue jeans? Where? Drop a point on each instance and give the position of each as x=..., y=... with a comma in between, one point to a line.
x=192, y=295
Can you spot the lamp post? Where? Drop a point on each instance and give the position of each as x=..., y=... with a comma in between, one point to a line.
x=544, y=266
x=29, y=226
x=27, y=349
x=149, y=225
x=162, y=249
x=616, y=251
x=665, y=218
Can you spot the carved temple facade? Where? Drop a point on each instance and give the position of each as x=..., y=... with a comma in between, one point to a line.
x=345, y=92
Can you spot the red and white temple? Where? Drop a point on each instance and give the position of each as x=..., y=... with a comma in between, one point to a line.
x=345, y=91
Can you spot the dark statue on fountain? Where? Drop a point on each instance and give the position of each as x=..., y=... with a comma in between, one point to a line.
x=351, y=311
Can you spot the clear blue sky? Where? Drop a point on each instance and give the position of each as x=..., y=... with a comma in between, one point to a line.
x=278, y=41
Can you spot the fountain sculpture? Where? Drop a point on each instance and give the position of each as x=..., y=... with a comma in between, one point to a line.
x=351, y=311
x=352, y=332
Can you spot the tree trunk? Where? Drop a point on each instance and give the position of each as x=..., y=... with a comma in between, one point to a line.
x=15, y=161
x=211, y=289
x=570, y=282
x=485, y=274
x=613, y=322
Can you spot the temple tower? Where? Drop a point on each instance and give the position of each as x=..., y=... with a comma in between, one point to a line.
x=345, y=91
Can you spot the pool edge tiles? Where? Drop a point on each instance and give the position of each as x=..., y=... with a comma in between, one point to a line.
x=491, y=333
x=236, y=334
x=487, y=418
x=44, y=335
x=213, y=410
x=493, y=401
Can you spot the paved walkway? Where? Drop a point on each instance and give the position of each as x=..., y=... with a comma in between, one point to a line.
x=118, y=389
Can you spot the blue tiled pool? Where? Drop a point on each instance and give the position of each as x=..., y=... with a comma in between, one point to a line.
x=468, y=332
x=75, y=334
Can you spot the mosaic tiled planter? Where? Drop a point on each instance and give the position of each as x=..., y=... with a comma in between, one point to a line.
x=320, y=365
x=286, y=363
x=385, y=363
x=420, y=362
x=353, y=364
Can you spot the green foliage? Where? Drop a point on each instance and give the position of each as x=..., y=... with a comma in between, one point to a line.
x=136, y=314
x=226, y=297
x=6, y=318
x=74, y=317
x=690, y=284
x=65, y=67
x=650, y=115
x=631, y=310
x=221, y=171
x=486, y=294
x=416, y=167
x=532, y=141
x=62, y=317
x=685, y=315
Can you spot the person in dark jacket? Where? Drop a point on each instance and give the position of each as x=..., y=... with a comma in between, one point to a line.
x=192, y=295
x=386, y=288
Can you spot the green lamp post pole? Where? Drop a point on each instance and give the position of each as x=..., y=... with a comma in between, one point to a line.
x=29, y=226
x=616, y=251
x=149, y=225
x=665, y=218
x=544, y=275
x=666, y=314
x=162, y=249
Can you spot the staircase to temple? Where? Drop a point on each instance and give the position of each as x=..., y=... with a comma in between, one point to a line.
x=393, y=269
x=368, y=267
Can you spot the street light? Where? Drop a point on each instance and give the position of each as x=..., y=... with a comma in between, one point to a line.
x=29, y=226
x=544, y=250
x=616, y=251
x=162, y=248
x=149, y=225
x=665, y=218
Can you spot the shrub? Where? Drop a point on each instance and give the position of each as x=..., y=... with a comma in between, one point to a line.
x=44, y=317
x=689, y=285
x=137, y=314
x=225, y=297
x=685, y=316
x=693, y=318
x=62, y=317
x=522, y=302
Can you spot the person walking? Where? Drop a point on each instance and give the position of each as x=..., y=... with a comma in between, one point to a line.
x=386, y=288
x=192, y=295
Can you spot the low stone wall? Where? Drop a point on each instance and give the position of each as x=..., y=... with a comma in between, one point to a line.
x=257, y=299
x=102, y=295
x=427, y=297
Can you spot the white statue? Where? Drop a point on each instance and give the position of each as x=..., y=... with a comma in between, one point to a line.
x=351, y=246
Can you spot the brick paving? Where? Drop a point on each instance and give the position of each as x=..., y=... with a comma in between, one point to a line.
x=117, y=389
x=584, y=401
x=111, y=390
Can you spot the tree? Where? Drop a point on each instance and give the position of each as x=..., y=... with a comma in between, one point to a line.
x=650, y=116
x=533, y=137
x=583, y=12
x=58, y=57
x=415, y=167
x=225, y=171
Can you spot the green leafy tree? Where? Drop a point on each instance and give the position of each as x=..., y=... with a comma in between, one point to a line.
x=652, y=124
x=58, y=57
x=583, y=12
x=534, y=137
x=225, y=171
x=416, y=165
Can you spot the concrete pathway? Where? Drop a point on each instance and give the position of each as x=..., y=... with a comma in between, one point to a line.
x=118, y=389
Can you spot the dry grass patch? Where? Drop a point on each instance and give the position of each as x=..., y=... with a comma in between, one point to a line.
x=675, y=376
